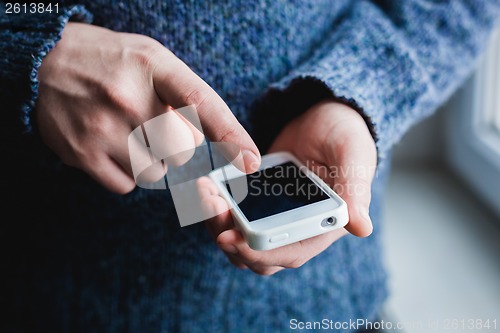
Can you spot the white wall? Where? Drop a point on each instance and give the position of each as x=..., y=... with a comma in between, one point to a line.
x=424, y=143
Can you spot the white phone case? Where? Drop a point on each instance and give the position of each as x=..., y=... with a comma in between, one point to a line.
x=290, y=226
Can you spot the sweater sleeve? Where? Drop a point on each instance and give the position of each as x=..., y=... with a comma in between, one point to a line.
x=393, y=61
x=25, y=39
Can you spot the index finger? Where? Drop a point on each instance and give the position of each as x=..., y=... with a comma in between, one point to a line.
x=177, y=85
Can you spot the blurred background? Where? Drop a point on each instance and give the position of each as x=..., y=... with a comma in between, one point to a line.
x=442, y=211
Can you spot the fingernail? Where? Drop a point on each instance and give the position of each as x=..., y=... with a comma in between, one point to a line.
x=229, y=248
x=252, y=161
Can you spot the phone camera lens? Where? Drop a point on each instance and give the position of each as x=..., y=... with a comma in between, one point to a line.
x=328, y=222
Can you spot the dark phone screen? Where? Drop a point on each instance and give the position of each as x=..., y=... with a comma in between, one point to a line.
x=278, y=189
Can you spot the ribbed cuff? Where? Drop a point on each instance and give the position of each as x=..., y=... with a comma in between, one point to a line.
x=290, y=98
x=27, y=39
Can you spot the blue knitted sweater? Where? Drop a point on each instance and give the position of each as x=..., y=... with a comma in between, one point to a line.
x=80, y=259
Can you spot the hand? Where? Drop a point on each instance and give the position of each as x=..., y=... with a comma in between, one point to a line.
x=97, y=85
x=334, y=141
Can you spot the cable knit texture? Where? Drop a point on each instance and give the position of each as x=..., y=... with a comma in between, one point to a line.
x=80, y=259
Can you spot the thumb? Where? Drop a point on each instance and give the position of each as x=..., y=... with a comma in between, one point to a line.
x=178, y=86
x=354, y=162
x=356, y=193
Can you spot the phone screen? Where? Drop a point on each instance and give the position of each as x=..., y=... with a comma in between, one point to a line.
x=278, y=189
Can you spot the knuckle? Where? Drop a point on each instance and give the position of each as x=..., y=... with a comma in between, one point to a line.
x=119, y=94
x=145, y=51
x=198, y=98
x=227, y=133
x=206, y=100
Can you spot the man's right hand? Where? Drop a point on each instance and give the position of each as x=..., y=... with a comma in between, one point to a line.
x=97, y=85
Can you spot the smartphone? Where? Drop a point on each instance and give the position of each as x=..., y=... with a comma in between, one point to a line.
x=281, y=203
